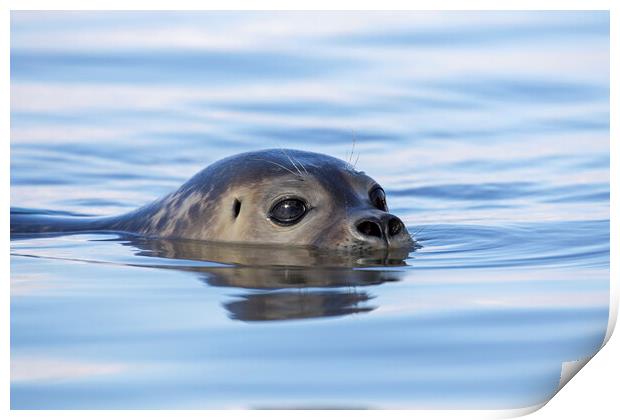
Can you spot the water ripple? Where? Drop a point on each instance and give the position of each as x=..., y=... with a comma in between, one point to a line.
x=558, y=244
x=167, y=66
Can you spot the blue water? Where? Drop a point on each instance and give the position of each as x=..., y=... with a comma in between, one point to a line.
x=489, y=132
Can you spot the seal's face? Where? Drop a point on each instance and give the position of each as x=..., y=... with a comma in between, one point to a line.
x=287, y=197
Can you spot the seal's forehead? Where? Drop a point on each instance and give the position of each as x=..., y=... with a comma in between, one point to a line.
x=262, y=166
x=295, y=160
x=278, y=162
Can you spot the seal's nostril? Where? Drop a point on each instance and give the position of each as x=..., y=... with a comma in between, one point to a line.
x=394, y=226
x=236, y=207
x=369, y=228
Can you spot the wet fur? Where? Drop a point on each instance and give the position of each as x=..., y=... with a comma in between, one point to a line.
x=202, y=208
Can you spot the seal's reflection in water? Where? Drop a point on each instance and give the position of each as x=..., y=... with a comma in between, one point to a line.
x=282, y=283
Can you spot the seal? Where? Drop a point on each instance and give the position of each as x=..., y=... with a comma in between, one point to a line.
x=267, y=197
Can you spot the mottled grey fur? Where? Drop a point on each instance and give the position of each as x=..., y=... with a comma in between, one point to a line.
x=203, y=207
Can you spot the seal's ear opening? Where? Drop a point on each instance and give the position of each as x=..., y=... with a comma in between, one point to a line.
x=236, y=208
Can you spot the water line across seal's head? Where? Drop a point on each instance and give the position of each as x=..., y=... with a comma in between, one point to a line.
x=279, y=197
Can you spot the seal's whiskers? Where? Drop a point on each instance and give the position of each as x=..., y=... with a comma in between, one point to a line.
x=277, y=164
x=302, y=166
x=356, y=159
x=291, y=160
x=349, y=164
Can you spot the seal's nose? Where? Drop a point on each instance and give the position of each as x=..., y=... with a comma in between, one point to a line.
x=394, y=226
x=382, y=228
x=370, y=228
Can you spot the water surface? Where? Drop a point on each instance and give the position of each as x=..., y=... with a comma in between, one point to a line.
x=489, y=132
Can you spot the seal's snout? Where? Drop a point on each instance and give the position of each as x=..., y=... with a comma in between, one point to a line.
x=384, y=228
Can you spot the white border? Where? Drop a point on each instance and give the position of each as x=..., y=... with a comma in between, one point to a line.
x=593, y=394
x=310, y=5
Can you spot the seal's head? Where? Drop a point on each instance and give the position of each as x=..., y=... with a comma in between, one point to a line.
x=282, y=197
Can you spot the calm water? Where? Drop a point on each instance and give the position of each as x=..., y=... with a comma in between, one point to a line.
x=489, y=131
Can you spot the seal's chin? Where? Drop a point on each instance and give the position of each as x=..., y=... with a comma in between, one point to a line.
x=377, y=252
x=356, y=242
x=377, y=256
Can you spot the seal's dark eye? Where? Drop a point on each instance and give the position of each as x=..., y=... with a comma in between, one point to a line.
x=288, y=211
x=377, y=198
